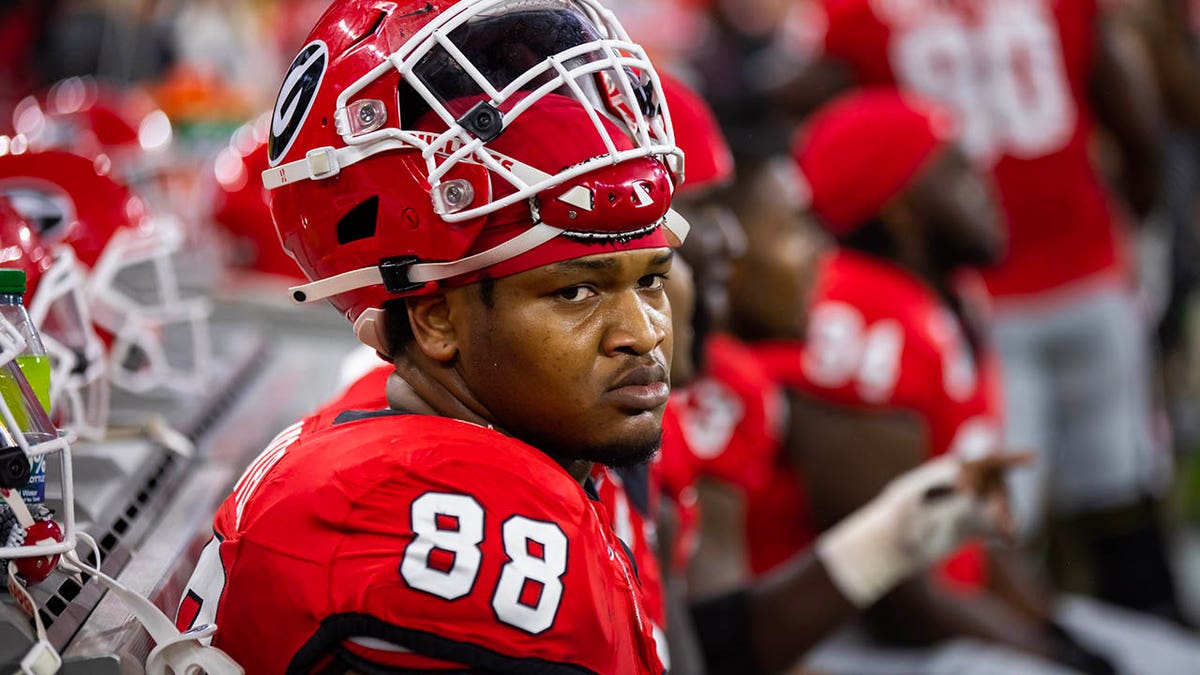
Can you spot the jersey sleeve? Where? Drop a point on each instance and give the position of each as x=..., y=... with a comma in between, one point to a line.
x=732, y=433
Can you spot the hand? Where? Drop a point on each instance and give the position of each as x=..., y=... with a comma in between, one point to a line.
x=984, y=478
x=919, y=518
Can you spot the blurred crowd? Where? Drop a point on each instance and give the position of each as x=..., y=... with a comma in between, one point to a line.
x=1039, y=241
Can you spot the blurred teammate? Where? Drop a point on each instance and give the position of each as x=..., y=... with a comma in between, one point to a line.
x=1031, y=82
x=894, y=325
x=1166, y=31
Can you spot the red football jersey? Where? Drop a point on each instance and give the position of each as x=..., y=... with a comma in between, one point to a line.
x=879, y=338
x=674, y=472
x=417, y=542
x=368, y=392
x=632, y=521
x=1017, y=72
x=637, y=530
x=732, y=420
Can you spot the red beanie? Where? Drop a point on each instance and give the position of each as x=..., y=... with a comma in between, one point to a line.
x=708, y=161
x=863, y=149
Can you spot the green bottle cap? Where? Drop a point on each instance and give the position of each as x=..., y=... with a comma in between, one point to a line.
x=12, y=281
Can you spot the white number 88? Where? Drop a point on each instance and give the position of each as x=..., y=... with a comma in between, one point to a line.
x=444, y=559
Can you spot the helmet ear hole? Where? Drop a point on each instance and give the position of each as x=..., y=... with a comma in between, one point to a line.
x=14, y=468
x=360, y=222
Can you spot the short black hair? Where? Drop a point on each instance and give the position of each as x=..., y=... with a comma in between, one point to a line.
x=397, y=330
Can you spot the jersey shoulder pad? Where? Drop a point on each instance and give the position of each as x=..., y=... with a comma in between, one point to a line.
x=449, y=454
x=381, y=461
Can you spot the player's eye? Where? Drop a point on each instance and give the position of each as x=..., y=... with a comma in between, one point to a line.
x=653, y=282
x=575, y=293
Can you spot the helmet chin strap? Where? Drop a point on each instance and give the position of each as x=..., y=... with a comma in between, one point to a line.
x=368, y=327
x=175, y=652
x=19, y=508
x=42, y=658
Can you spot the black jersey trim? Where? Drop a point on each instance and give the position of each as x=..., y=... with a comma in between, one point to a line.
x=346, y=661
x=637, y=486
x=589, y=488
x=336, y=629
x=347, y=416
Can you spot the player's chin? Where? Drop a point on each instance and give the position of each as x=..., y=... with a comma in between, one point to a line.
x=626, y=453
x=633, y=442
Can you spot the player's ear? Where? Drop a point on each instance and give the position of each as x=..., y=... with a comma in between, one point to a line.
x=433, y=331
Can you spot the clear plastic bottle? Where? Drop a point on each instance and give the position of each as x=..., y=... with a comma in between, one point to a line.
x=35, y=365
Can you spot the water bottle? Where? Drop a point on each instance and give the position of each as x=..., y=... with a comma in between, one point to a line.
x=34, y=364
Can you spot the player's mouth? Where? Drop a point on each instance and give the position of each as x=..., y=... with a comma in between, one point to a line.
x=641, y=389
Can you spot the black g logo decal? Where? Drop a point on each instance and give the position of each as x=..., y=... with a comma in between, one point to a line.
x=296, y=97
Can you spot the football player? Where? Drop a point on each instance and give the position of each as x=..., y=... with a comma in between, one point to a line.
x=483, y=188
x=1032, y=80
x=894, y=324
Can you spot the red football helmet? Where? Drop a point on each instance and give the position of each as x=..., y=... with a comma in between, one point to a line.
x=418, y=143
x=709, y=159
x=55, y=298
x=158, y=335
x=240, y=203
x=80, y=116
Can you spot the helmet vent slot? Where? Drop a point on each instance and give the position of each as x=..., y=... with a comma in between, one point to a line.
x=370, y=31
x=359, y=223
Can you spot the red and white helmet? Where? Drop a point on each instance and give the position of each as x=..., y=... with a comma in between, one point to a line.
x=418, y=144
x=157, y=334
x=55, y=297
x=709, y=158
x=240, y=203
x=29, y=536
x=81, y=116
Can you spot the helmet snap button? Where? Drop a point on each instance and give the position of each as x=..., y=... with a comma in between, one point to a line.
x=455, y=195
